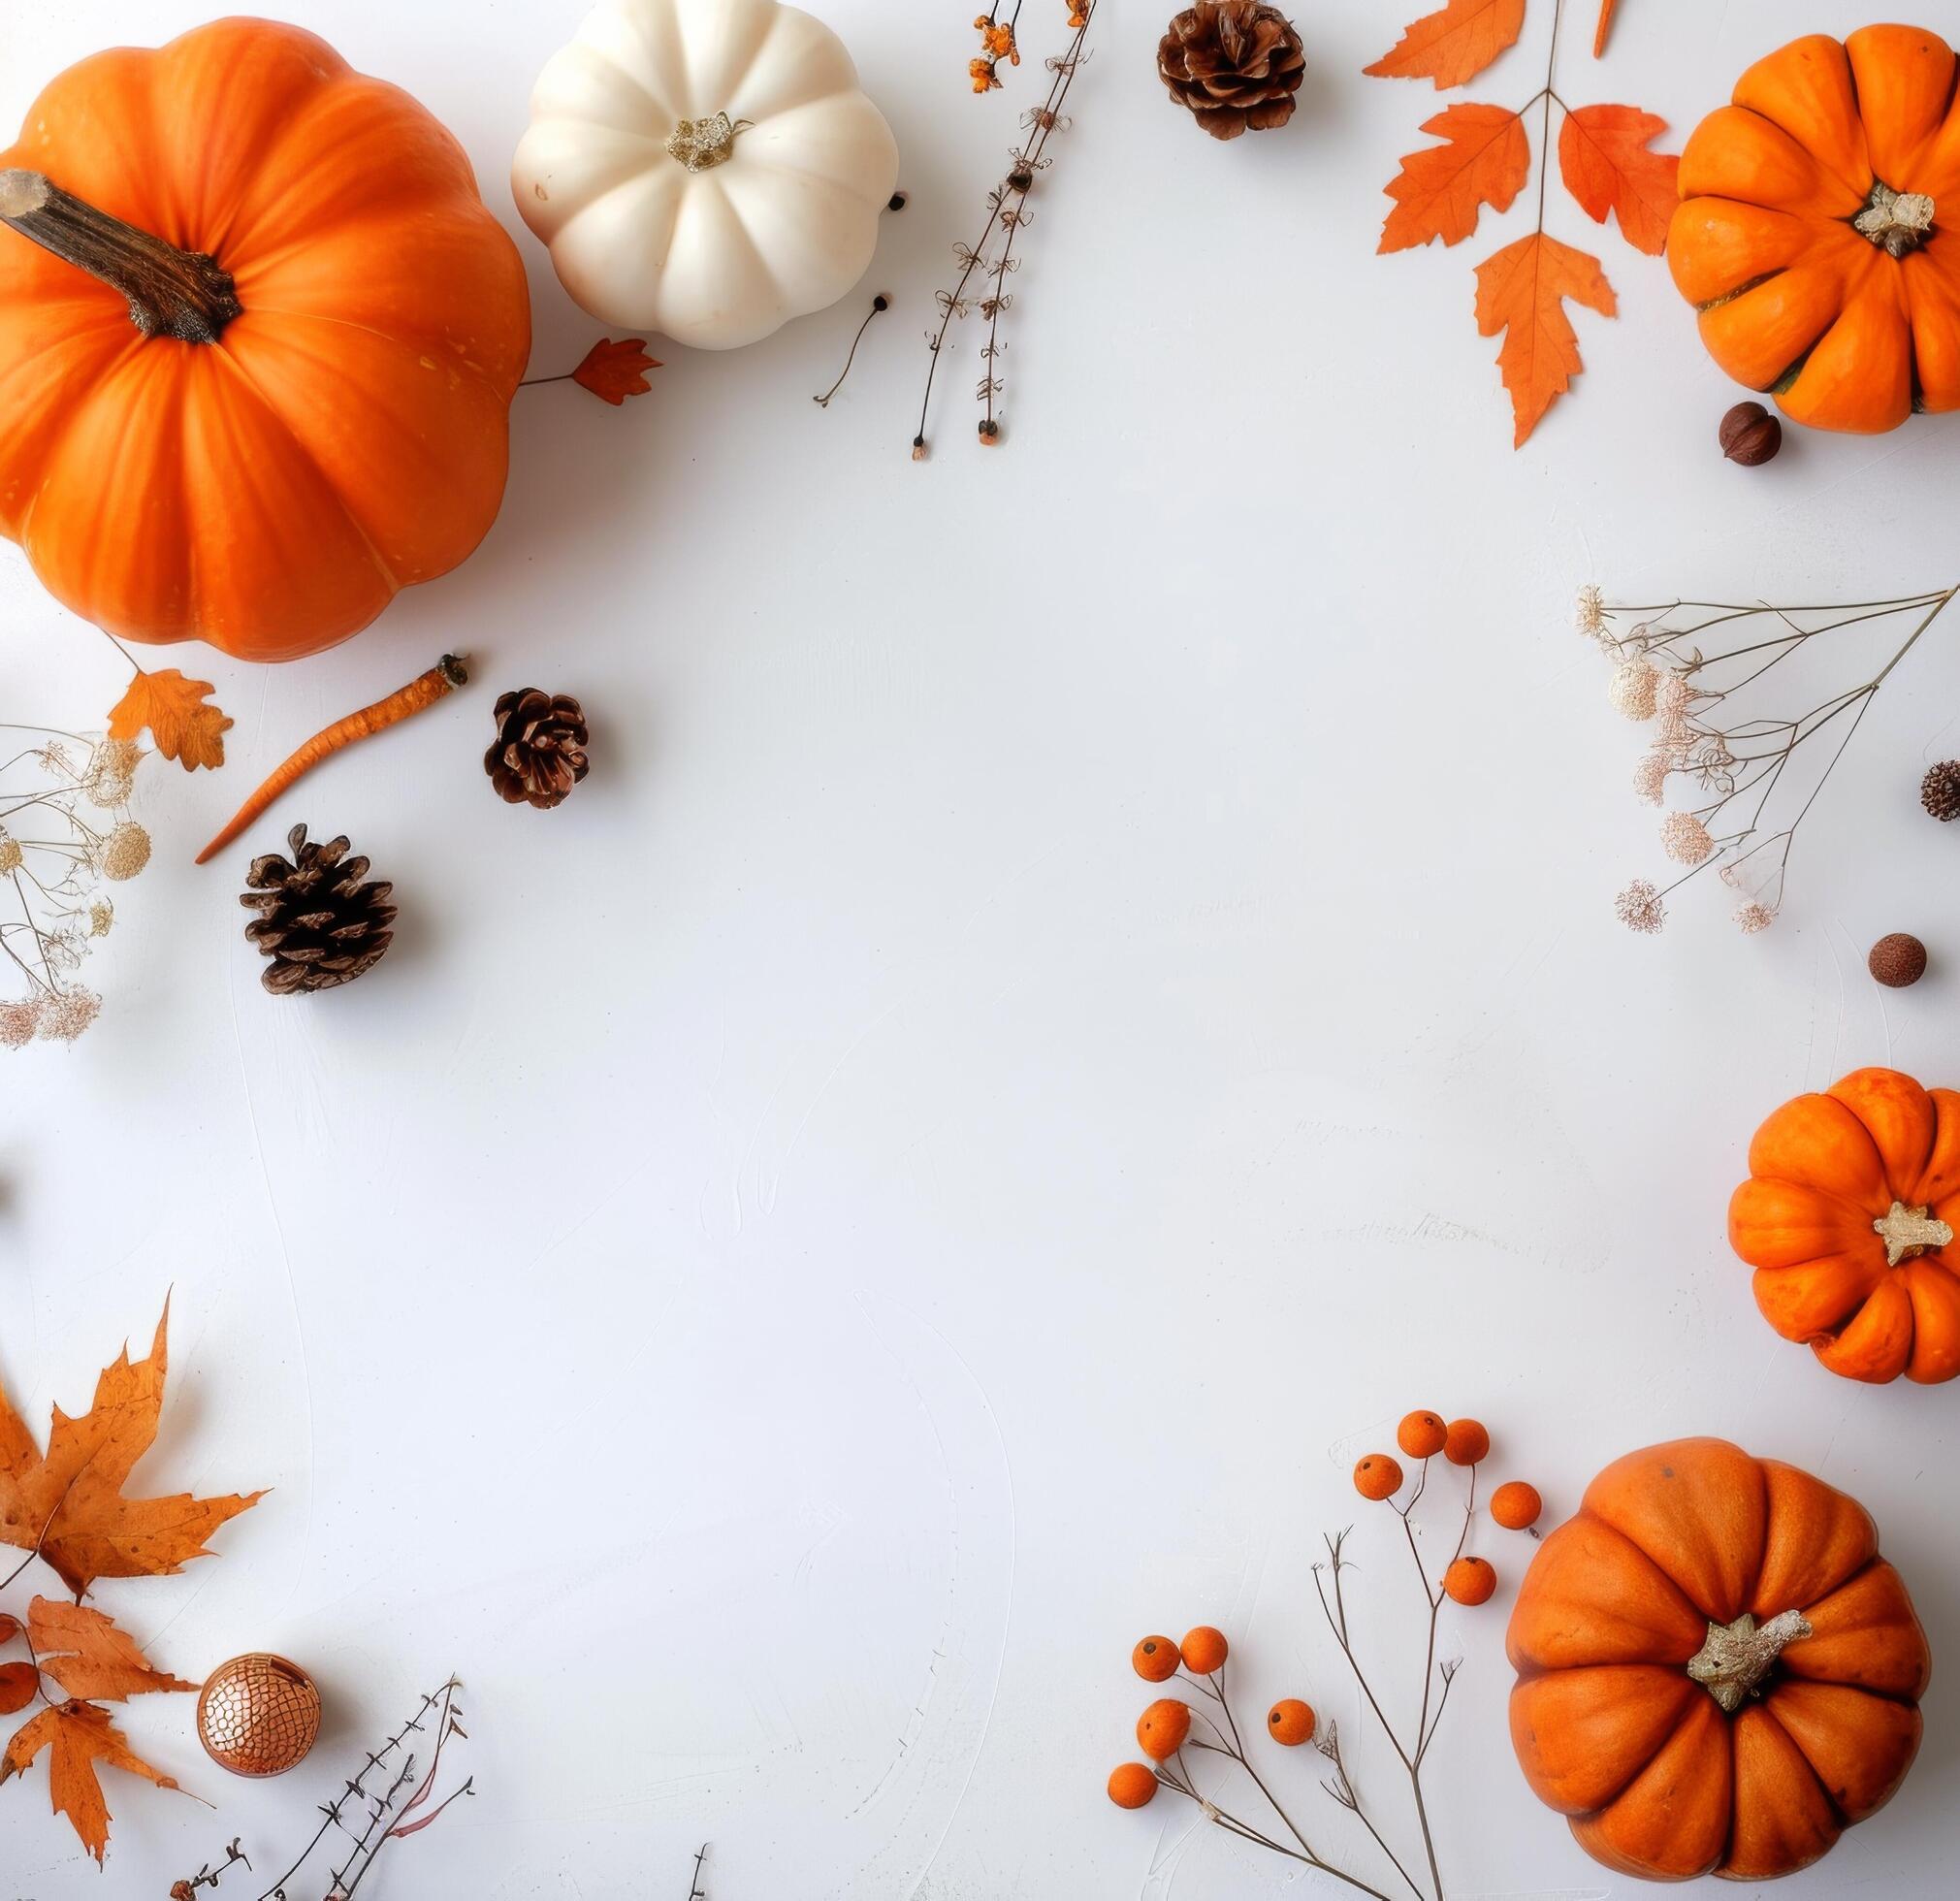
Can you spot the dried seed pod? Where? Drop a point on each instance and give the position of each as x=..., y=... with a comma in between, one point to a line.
x=1750, y=435
x=1939, y=790
x=1898, y=960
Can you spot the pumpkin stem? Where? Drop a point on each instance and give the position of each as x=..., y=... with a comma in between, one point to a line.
x=1737, y=1656
x=701, y=143
x=1909, y=1232
x=171, y=293
x=1897, y=221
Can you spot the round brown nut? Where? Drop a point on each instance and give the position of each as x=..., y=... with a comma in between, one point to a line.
x=1750, y=435
x=1897, y=960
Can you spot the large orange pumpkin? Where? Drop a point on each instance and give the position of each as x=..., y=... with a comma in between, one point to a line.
x=1815, y=234
x=256, y=366
x=1847, y=1216
x=1717, y=1671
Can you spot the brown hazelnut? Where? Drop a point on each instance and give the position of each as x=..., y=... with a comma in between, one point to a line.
x=1897, y=960
x=1750, y=435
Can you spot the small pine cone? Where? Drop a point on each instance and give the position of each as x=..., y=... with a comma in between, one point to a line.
x=539, y=754
x=318, y=923
x=1939, y=790
x=1237, y=64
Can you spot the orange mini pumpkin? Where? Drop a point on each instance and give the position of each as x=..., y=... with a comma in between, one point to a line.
x=1810, y=234
x=256, y=366
x=1716, y=1670
x=1847, y=1218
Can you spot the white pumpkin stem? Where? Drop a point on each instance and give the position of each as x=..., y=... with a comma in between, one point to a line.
x=1909, y=1232
x=1737, y=1656
x=704, y=142
x=1897, y=221
x=171, y=293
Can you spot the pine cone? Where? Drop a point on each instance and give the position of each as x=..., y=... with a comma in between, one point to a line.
x=539, y=754
x=317, y=921
x=1237, y=64
x=1939, y=790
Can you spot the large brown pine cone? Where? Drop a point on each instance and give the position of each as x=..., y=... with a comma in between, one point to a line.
x=318, y=921
x=539, y=754
x=1236, y=63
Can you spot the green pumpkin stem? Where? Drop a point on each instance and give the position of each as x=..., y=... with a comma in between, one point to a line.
x=171, y=293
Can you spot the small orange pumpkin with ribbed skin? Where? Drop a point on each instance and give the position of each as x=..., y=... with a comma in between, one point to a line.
x=258, y=342
x=1717, y=1671
x=1817, y=234
x=1847, y=1218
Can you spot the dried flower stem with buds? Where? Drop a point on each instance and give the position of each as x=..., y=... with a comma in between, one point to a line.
x=1744, y=800
x=990, y=257
x=65, y=828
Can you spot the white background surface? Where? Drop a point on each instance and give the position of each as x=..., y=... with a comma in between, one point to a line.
x=1082, y=985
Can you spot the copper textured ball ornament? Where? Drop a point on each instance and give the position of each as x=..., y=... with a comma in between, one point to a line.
x=1897, y=961
x=258, y=1715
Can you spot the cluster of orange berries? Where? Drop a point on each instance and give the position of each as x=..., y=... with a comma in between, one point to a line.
x=1163, y=1728
x=1515, y=1505
x=997, y=41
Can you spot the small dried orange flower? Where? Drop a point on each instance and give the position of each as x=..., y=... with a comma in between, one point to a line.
x=1516, y=1505
x=1155, y=1660
x=1132, y=1785
x=1162, y=1728
x=1290, y=1722
x=1421, y=1435
x=1204, y=1650
x=1377, y=1476
x=1467, y=1443
x=1470, y=1580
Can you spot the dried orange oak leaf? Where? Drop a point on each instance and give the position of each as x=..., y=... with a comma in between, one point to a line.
x=68, y=1503
x=1485, y=160
x=1452, y=44
x=1521, y=291
x=173, y=708
x=81, y=1736
x=87, y=1655
x=614, y=371
x=1604, y=158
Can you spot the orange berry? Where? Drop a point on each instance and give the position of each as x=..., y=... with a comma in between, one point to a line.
x=1155, y=1660
x=1162, y=1728
x=1132, y=1785
x=1204, y=1650
x=1377, y=1476
x=1421, y=1435
x=1516, y=1505
x=1467, y=1443
x=1290, y=1722
x=1470, y=1580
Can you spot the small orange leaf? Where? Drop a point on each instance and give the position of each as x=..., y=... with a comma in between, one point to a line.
x=614, y=371
x=1521, y=291
x=1452, y=44
x=87, y=1655
x=1604, y=29
x=17, y=1683
x=81, y=1736
x=1485, y=160
x=1604, y=158
x=173, y=708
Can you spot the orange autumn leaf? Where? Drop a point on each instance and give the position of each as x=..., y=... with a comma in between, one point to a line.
x=1484, y=160
x=1452, y=44
x=614, y=371
x=1601, y=32
x=87, y=1655
x=173, y=708
x=68, y=1503
x=1604, y=158
x=80, y=1736
x=19, y=1683
x=1521, y=291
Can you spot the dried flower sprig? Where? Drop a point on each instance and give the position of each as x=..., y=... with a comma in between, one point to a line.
x=373, y=1808
x=1171, y=1726
x=1748, y=780
x=695, y=1891
x=65, y=831
x=990, y=258
x=209, y=1875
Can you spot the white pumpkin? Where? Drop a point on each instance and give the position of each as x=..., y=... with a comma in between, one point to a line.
x=707, y=169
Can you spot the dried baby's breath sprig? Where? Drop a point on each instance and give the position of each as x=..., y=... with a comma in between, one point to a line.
x=989, y=260
x=64, y=826
x=1748, y=779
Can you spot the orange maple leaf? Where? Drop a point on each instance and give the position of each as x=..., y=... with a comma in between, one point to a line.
x=1452, y=44
x=1521, y=291
x=173, y=708
x=1485, y=160
x=614, y=371
x=87, y=1655
x=81, y=1736
x=1604, y=158
x=68, y=1503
